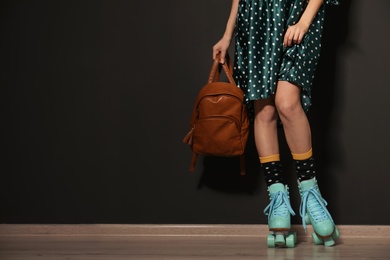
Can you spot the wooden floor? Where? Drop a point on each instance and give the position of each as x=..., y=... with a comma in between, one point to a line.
x=95, y=242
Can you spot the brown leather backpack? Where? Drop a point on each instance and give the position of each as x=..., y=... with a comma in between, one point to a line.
x=219, y=123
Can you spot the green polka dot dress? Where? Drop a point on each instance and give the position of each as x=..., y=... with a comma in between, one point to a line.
x=261, y=60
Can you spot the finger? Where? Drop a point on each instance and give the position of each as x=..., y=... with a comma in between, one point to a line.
x=215, y=53
x=288, y=38
x=222, y=57
x=285, y=40
x=289, y=41
x=300, y=37
x=296, y=39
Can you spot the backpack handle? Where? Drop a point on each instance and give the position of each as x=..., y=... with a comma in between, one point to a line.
x=216, y=68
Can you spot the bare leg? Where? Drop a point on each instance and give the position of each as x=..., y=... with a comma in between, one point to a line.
x=265, y=127
x=279, y=210
x=295, y=123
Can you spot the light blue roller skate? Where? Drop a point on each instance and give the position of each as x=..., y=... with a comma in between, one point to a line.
x=279, y=219
x=313, y=211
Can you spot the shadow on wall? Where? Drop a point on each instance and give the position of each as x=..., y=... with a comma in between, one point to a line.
x=328, y=99
x=222, y=174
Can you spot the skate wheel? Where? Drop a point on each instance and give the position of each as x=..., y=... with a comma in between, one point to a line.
x=295, y=237
x=271, y=241
x=291, y=240
x=336, y=233
x=317, y=240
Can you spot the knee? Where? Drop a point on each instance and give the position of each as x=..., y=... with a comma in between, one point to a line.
x=267, y=115
x=288, y=109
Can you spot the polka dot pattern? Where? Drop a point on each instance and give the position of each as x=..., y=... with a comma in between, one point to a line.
x=273, y=172
x=305, y=169
x=261, y=60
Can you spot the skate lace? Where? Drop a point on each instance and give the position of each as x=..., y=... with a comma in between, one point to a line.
x=312, y=201
x=279, y=206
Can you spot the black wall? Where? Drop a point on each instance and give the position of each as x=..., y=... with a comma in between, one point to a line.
x=96, y=97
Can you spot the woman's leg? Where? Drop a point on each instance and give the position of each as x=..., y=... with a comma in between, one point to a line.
x=266, y=139
x=296, y=128
x=279, y=210
x=298, y=136
x=265, y=127
x=295, y=123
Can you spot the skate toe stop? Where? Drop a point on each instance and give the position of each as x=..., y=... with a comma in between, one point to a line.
x=329, y=242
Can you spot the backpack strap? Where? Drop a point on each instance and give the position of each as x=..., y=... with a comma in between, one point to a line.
x=215, y=71
x=193, y=163
x=242, y=165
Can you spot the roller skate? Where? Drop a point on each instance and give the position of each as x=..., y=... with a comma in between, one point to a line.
x=313, y=211
x=279, y=219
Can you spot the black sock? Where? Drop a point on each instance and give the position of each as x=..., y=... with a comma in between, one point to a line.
x=273, y=172
x=305, y=169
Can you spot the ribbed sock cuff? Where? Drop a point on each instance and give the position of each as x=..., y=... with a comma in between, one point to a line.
x=271, y=158
x=302, y=156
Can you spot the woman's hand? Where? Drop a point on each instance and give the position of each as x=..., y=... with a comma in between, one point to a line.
x=221, y=48
x=294, y=34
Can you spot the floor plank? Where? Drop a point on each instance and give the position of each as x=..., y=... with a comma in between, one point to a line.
x=117, y=242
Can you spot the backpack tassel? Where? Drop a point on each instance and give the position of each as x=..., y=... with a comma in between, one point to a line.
x=188, y=138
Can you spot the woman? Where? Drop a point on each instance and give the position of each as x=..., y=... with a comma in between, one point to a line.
x=277, y=49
